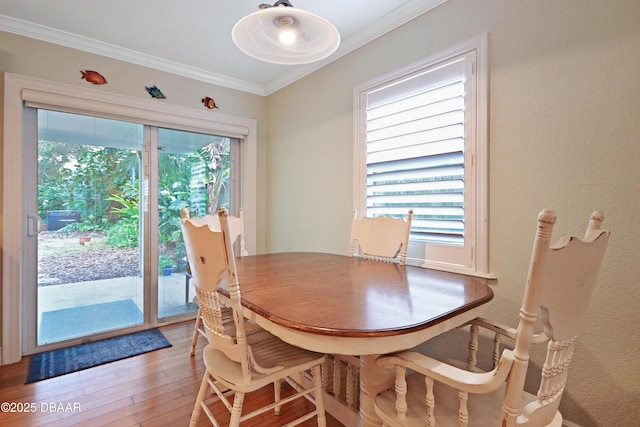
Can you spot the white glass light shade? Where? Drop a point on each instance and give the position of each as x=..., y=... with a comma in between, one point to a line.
x=308, y=37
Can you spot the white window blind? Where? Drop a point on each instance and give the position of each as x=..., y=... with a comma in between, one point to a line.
x=415, y=143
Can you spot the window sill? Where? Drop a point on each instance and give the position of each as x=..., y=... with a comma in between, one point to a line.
x=451, y=268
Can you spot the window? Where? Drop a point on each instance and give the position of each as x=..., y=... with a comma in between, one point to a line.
x=421, y=144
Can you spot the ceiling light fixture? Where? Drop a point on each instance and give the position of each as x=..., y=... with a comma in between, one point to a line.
x=282, y=34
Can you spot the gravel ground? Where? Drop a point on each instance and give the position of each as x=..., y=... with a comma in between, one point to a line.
x=86, y=265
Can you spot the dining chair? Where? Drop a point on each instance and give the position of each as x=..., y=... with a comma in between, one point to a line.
x=557, y=292
x=380, y=238
x=238, y=362
x=236, y=227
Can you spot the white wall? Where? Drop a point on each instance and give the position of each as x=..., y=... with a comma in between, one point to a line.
x=564, y=134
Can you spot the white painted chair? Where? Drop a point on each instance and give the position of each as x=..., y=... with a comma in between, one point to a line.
x=381, y=238
x=559, y=286
x=236, y=227
x=236, y=361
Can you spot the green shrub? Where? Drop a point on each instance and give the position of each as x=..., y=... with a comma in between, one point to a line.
x=124, y=232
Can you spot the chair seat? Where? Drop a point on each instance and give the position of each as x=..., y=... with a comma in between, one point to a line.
x=484, y=409
x=270, y=352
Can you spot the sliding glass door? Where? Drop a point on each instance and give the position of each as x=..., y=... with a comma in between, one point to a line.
x=89, y=251
x=194, y=172
x=109, y=250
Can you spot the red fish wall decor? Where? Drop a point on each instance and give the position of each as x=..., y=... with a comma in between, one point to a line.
x=93, y=77
x=210, y=103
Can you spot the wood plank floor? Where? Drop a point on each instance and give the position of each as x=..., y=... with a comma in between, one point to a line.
x=155, y=389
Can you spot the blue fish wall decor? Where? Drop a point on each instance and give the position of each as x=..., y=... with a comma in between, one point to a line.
x=155, y=92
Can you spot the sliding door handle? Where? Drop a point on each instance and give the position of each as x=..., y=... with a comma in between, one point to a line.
x=33, y=225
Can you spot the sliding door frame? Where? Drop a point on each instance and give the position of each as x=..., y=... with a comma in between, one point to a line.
x=21, y=91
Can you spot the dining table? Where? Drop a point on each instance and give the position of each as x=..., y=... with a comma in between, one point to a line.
x=342, y=305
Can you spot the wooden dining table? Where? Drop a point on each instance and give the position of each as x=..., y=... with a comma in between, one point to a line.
x=343, y=305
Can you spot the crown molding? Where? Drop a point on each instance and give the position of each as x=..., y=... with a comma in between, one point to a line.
x=63, y=38
x=396, y=18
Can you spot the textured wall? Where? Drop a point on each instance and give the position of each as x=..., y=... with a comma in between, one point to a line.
x=564, y=134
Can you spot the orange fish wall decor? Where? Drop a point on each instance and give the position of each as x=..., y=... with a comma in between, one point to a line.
x=210, y=103
x=93, y=77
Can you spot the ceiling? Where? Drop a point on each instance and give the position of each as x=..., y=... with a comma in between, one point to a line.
x=192, y=38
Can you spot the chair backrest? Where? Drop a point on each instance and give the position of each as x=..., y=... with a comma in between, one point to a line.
x=559, y=286
x=211, y=258
x=236, y=228
x=381, y=238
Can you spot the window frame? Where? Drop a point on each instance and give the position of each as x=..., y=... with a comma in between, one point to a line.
x=476, y=260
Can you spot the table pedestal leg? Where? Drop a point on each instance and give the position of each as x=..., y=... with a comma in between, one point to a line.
x=372, y=381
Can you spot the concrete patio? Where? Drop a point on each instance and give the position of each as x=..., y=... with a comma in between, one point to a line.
x=172, y=298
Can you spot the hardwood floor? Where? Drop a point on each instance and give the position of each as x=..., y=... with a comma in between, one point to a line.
x=155, y=389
